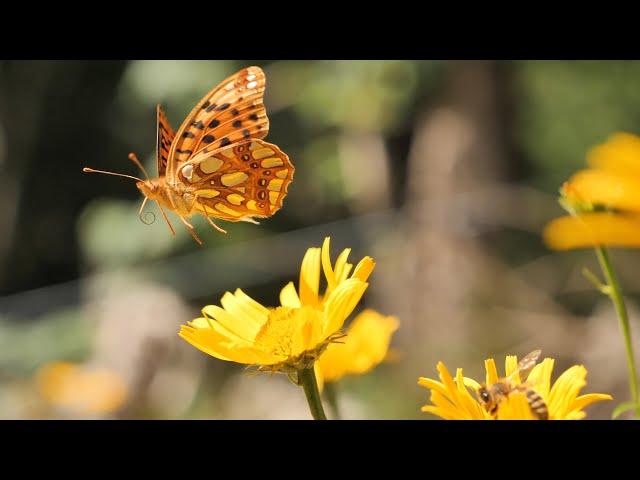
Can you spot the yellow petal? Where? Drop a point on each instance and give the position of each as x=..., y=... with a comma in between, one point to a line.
x=515, y=407
x=510, y=366
x=540, y=377
x=620, y=153
x=239, y=326
x=341, y=303
x=492, y=371
x=244, y=309
x=326, y=264
x=302, y=322
x=432, y=385
x=213, y=343
x=575, y=415
x=319, y=377
x=230, y=337
x=364, y=347
x=593, y=229
x=449, y=384
x=468, y=402
x=364, y=269
x=461, y=399
x=257, y=311
x=601, y=187
x=440, y=412
x=565, y=391
x=585, y=400
x=201, y=322
x=448, y=409
x=308, y=330
x=342, y=267
x=471, y=383
x=310, y=277
x=289, y=296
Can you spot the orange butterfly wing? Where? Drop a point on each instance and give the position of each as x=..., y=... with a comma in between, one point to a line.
x=165, y=137
x=232, y=111
x=245, y=180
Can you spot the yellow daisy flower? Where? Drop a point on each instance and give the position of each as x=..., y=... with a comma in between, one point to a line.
x=452, y=400
x=364, y=347
x=80, y=388
x=290, y=337
x=308, y=293
x=604, y=200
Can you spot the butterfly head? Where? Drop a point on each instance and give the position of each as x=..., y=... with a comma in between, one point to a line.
x=148, y=188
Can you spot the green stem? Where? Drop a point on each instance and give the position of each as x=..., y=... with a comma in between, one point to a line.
x=615, y=293
x=330, y=393
x=307, y=378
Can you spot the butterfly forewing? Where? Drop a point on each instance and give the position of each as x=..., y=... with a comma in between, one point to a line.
x=217, y=164
x=165, y=136
x=231, y=112
x=239, y=182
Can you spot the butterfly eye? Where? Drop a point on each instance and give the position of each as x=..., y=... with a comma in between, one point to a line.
x=484, y=395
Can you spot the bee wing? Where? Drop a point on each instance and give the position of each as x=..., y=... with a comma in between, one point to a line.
x=526, y=364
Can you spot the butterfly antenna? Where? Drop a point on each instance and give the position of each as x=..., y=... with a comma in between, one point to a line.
x=134, y=159
x=145, y=215
x=92, y=170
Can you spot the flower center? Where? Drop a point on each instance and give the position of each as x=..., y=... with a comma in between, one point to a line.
x=276, y=335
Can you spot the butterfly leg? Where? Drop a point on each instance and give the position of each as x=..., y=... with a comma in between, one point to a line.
x=211, y=222
x=164, y=215
x=173, y=204
x=206, y=214
x=191, y=230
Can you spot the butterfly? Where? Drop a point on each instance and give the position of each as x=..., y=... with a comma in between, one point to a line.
x=217, y=164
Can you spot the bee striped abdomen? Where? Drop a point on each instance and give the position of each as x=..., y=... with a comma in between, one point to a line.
x=537, y=404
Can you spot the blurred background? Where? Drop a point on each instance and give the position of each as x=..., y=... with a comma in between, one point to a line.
x=444, y=172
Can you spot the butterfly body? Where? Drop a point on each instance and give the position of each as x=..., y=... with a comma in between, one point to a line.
x=237, y=183
x=216, y=164
x=173, y=198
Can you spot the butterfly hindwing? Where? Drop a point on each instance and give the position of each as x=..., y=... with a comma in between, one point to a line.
x=165, y=136
x=231, y=112
x=239, y=182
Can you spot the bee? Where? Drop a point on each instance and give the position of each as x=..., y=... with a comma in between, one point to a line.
x=491, y=396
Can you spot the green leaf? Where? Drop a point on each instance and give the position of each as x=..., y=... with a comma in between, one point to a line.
x=624, y=407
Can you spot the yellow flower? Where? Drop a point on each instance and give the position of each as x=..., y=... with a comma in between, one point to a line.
x=452, y=400
x=604, y=200
x=81, y=388
x=289, y=337
x=308, y=293
x=364, y=347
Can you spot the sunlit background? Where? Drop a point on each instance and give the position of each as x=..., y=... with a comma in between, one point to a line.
x=444, y=172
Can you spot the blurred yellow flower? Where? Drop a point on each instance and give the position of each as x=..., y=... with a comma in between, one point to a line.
x=80, y=388
x=452, y=400
x=364, y=347
x=604, y=200
x=289, y=337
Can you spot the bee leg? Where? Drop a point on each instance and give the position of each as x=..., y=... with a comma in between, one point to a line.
x=191, y=230
x=211, y=222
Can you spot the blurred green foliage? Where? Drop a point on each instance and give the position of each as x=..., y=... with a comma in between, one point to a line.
x=566, y=107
